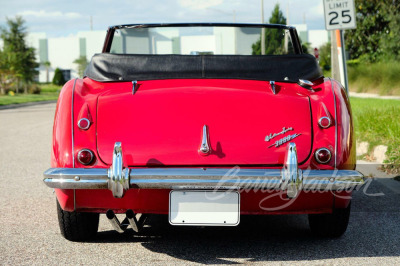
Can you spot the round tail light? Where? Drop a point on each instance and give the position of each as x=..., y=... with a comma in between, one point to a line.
x=323, y=155
x=84, y=123
x=85, y=156
x=324, y=122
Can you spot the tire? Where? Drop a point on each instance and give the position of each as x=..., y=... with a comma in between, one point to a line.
x=330, y=225
x=77, y=226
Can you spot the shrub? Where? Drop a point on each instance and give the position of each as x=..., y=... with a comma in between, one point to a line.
x=381, y=77
x=34, y=89
x=58, y=78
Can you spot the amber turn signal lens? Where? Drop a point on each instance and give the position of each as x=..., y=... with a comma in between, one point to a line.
x=323, y=155
x=85, y=156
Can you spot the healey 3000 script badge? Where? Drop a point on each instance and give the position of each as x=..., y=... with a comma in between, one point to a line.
x=283, y=140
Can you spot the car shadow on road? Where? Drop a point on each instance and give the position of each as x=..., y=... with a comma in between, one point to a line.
x=373, y=231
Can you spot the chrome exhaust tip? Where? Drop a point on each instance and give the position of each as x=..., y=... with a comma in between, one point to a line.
x=120, y=228
x=130, y=215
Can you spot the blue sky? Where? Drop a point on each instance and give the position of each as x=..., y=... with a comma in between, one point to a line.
x=63, y=18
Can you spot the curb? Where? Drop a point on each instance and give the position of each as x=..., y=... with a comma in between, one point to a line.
x=373, y=95
x=18, y=105
x=370, y=170
x=378, y=153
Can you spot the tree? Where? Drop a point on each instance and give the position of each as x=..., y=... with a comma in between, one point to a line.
x=274, y=38
x=19, y=59
x=325, y=56
x=82, y=64
x=7, y=77
x=306, y=46
x=58, y=78
x=377, y=32
x=391, y=38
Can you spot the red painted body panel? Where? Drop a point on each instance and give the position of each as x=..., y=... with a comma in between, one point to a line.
x=346, y=148
x=156, y=201
x=61, y=155
x=161, y=124
x=90, y=99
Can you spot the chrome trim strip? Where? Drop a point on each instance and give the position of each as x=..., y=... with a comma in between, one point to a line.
x=160, y=178
x=336, y=128
x=72, y=124
x=72, y=132
x=119, y=179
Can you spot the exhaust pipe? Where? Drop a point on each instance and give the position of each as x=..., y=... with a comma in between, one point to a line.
x=120, y=228
x=130, y=215
x=131, y=219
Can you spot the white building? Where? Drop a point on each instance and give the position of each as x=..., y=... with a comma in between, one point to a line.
x=316, y=38
x=61, y=52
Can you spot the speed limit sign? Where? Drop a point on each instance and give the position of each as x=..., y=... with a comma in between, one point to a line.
x=339, y=14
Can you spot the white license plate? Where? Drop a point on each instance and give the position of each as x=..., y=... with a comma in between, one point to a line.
x=204, y=208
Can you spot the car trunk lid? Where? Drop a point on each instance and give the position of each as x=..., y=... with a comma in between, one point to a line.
x=162, y=123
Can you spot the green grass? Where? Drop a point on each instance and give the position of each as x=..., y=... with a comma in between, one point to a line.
x=382, y=78
x=377, y=121
x=48, y=92
x=49, y=88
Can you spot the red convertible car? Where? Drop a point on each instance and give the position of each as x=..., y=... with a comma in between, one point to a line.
x=204, y=123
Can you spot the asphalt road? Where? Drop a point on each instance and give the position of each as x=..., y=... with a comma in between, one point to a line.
x=29, y=231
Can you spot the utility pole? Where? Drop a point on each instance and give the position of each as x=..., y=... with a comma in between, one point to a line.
x=338, y=58
x=337, y=19
x=262, y=29
x=334, y=57
x=286, y=32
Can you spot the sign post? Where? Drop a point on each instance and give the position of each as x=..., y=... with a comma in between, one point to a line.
x=316, y=53
x=340, y=15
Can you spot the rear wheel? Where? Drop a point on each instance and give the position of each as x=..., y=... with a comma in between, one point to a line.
x=330, y=225
x=77, y=226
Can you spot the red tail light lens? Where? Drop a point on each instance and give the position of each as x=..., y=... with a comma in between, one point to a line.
x=323, y=155
x=324, y=122
x=84, y=123
x=85, y=156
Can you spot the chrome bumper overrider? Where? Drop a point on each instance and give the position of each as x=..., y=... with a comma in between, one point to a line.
x=119, y=179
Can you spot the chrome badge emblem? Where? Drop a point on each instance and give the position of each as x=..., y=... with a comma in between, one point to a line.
x=271, y=136
x=283, y=140
x=204, y=146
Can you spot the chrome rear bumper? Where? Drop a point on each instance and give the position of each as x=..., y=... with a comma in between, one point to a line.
x=119, y=179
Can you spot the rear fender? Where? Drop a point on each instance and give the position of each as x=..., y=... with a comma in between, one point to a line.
x=61, y=154
x=346, y=148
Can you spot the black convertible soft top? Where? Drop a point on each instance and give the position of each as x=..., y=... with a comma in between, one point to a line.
x=106, y=67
